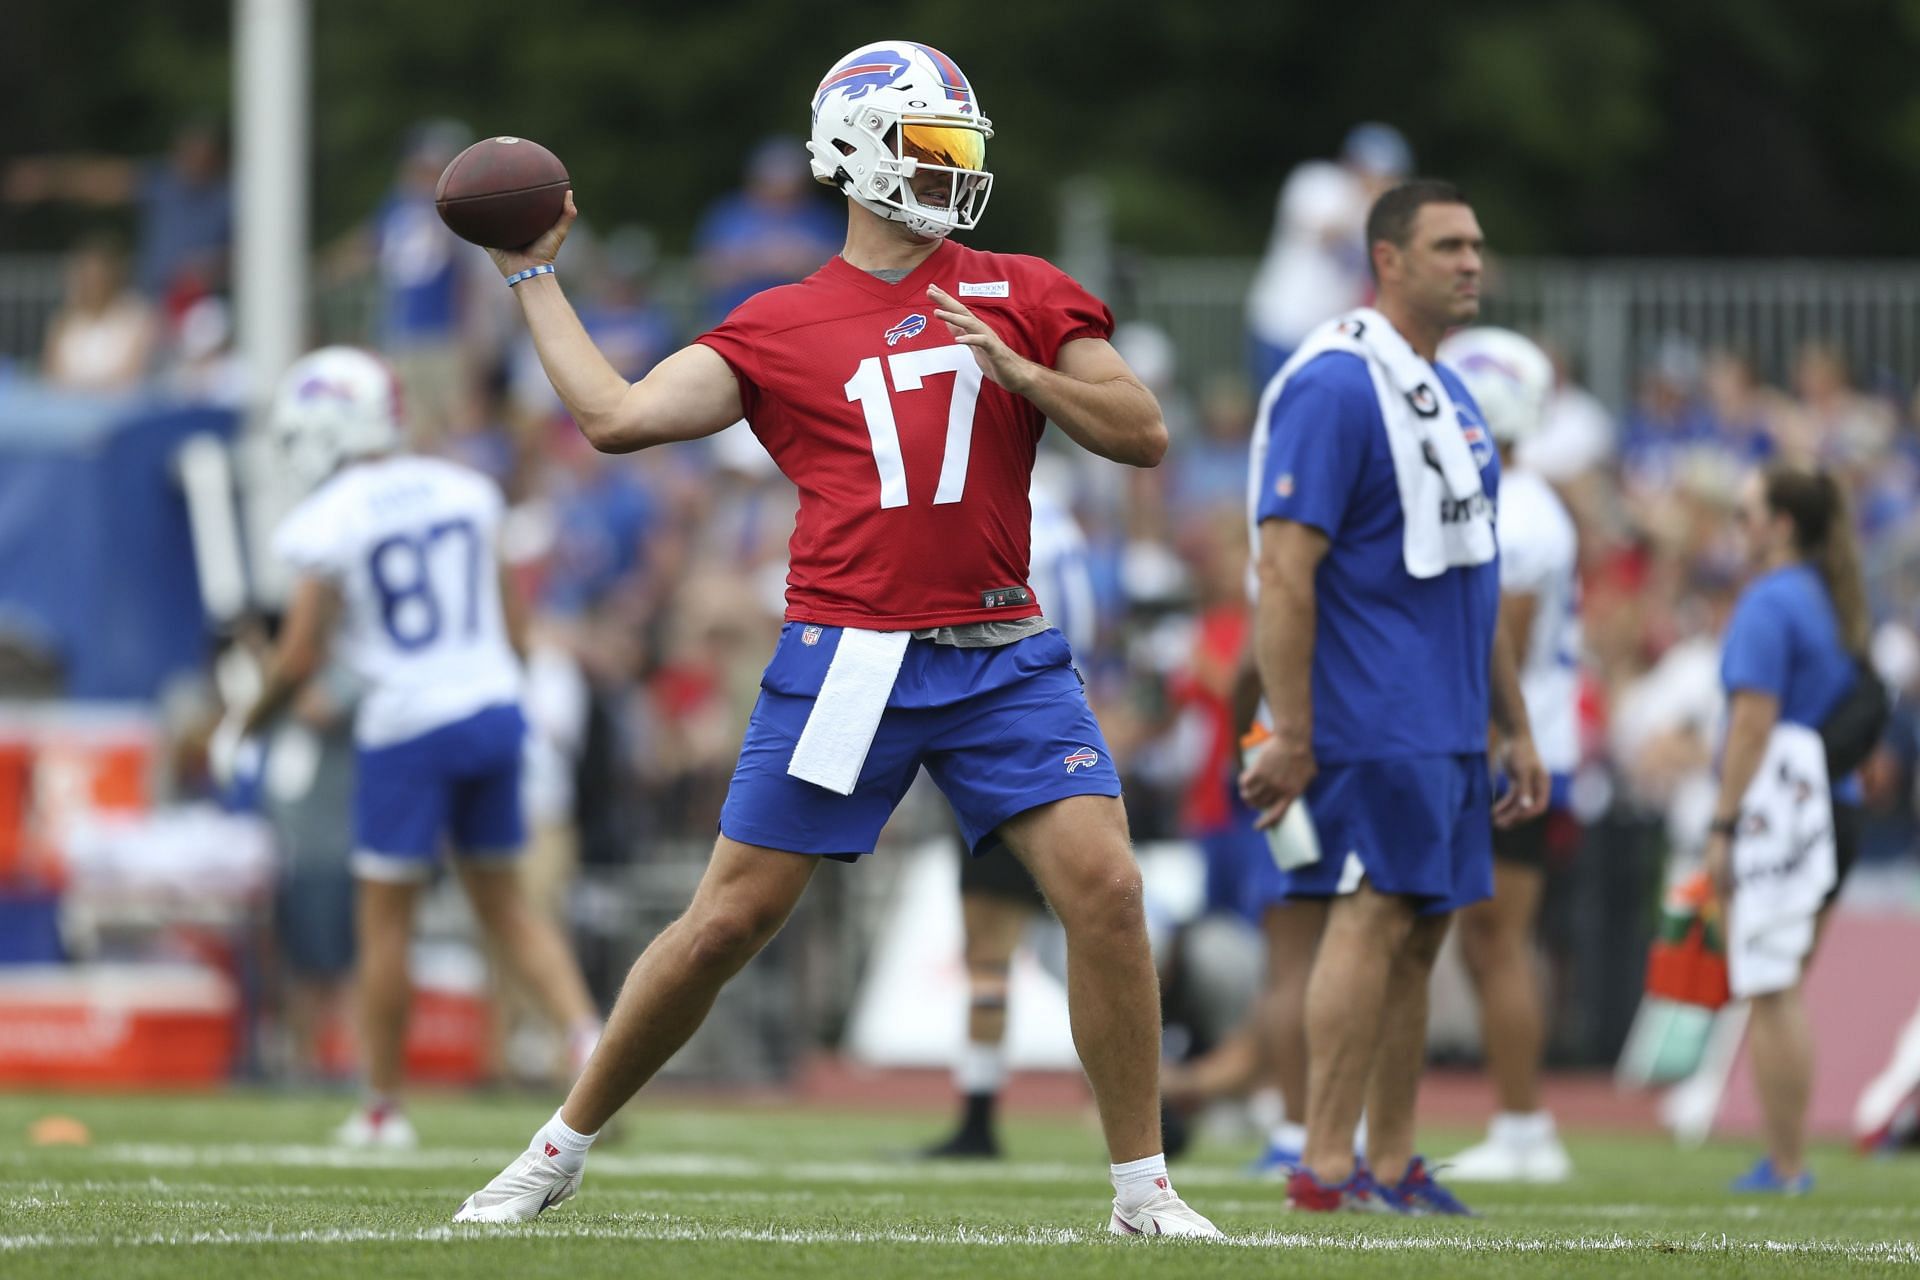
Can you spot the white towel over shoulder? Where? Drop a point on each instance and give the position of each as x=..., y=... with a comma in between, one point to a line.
x=846, y=713
x=1449, y=522
x=1783, y=863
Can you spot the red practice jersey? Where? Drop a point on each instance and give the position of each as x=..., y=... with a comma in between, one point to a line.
x=912, y=467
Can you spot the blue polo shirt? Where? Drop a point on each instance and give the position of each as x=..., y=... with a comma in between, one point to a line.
x=1401, y=665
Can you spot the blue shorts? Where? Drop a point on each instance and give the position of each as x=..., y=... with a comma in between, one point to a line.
x=461, y=780
x=1242, y=877
x=1001, y=730
x=1420, y=827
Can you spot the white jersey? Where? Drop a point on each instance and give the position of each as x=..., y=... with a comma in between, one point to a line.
x=1538, y=553
x=410, y=543
x=1060, y=572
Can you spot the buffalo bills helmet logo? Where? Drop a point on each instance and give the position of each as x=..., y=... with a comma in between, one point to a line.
x=1424, y=402
x=908, y=328
x=860, y=76
x=1084, y=758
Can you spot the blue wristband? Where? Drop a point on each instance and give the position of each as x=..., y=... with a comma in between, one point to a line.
x=544, y=269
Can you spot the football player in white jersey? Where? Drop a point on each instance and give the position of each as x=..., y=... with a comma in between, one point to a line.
x=396, y=563
x=1511, y=379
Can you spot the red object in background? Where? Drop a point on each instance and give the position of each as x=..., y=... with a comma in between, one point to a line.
x=1220, y=633
x=116, y=1027
x=449, y=1040
x=61, y=765
x=1688, y=960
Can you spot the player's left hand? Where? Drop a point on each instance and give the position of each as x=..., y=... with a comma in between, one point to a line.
x=997, y=360
x=1527, y=785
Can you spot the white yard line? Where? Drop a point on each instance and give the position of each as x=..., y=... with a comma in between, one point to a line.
x=670, y=1230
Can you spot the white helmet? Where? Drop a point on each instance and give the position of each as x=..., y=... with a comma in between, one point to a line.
x=1508, y=376
x=890, y=110
x=333, y=405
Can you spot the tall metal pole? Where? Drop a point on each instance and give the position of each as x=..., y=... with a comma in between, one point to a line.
x=271, y=120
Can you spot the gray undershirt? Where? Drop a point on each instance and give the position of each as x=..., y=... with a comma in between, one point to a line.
x=968, y=635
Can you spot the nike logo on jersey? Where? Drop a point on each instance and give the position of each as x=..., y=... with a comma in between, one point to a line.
x=908, y=328
x=985, y=289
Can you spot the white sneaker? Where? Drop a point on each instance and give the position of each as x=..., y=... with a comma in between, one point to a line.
x=521, y=1192
x=1543, y=1160
x=1164, y=1214
x=383, y=1130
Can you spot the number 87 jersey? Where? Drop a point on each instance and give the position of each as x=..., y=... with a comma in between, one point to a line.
x=409, y=544
x=912, y=467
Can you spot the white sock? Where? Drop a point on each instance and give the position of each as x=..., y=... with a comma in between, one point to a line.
x=563, y=1145
x=1138, y=1181
x=980, y=1068
x=1521, y=1128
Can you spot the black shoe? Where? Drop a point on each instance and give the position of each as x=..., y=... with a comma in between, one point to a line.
x=964, y=1145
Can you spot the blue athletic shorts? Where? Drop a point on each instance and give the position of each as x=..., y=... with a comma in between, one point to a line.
x=1420, y=827
x=1242, y=877
x=1001, y=730
x=461, y=780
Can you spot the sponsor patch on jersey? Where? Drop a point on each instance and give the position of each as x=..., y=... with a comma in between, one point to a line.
x=1423, y=401
x=810, y=635
x=985, y=289
x=908, y=328
x=1001, y=597
x=1084, y=758
x=1283, y=487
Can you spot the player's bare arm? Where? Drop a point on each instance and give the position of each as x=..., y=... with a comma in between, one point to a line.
x=1528, y=785
x=1283, y=628
x=300, y=653
x=1090, y=393
x=690, y=394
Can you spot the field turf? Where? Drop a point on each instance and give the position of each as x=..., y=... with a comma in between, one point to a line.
x=244, y=1185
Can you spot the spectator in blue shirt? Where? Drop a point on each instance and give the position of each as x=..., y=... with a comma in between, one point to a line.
x=775, y=230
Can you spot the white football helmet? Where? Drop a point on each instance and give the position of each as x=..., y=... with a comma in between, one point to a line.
x=333, y=405
x=1508, y=376
x=889, y=111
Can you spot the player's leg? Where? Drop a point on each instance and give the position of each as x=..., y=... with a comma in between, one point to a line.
x=1395, y=1083
x=1346, y=1002
x=1780, y=1047
x=383, y=991
x=490, y=834
x=997, y=901
x=1078, y=851
x=1292, y=930
x=743, y=899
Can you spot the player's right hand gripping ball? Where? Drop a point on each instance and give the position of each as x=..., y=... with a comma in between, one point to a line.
x=502, y=193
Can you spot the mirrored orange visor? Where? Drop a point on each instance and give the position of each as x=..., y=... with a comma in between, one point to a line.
x=957, y=147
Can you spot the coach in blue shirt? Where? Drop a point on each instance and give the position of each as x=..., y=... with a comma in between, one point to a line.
x=1379, y=686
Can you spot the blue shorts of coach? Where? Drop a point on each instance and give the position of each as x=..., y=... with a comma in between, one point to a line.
x=1001, y=730
x=1418, y=827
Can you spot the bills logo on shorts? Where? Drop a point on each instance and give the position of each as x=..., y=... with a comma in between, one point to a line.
x=1476, y=436
x=810, y=636
x=908, y=328
x=1084, y=758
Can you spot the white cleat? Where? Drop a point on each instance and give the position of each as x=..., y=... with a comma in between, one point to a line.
x=1166, y=1214
x=1541, y=1161
x=521, y=1192
x=372, y=1130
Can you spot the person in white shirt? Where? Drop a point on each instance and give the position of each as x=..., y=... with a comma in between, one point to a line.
x=1512, y=379
x=1315, y=265
x=397, y=564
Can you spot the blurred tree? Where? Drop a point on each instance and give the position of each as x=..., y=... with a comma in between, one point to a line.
x=1581, y=126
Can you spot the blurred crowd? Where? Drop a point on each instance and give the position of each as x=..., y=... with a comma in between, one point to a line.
x=657, y=579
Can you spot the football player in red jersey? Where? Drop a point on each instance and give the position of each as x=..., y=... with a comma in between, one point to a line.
x=903, y=388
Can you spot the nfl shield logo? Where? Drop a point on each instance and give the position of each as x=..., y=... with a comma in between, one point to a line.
x=810, y=636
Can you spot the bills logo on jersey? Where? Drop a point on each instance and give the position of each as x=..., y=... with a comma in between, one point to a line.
x=1476, y=436
x=908, y=328
x=874, y=70
x=1084, y=758
x=810, y=636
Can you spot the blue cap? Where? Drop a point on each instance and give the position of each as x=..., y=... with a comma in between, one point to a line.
x=1378, y=149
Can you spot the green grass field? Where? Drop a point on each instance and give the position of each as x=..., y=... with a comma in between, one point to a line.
x=244, y=1185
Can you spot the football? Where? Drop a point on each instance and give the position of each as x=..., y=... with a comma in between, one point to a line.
x=502, y=192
